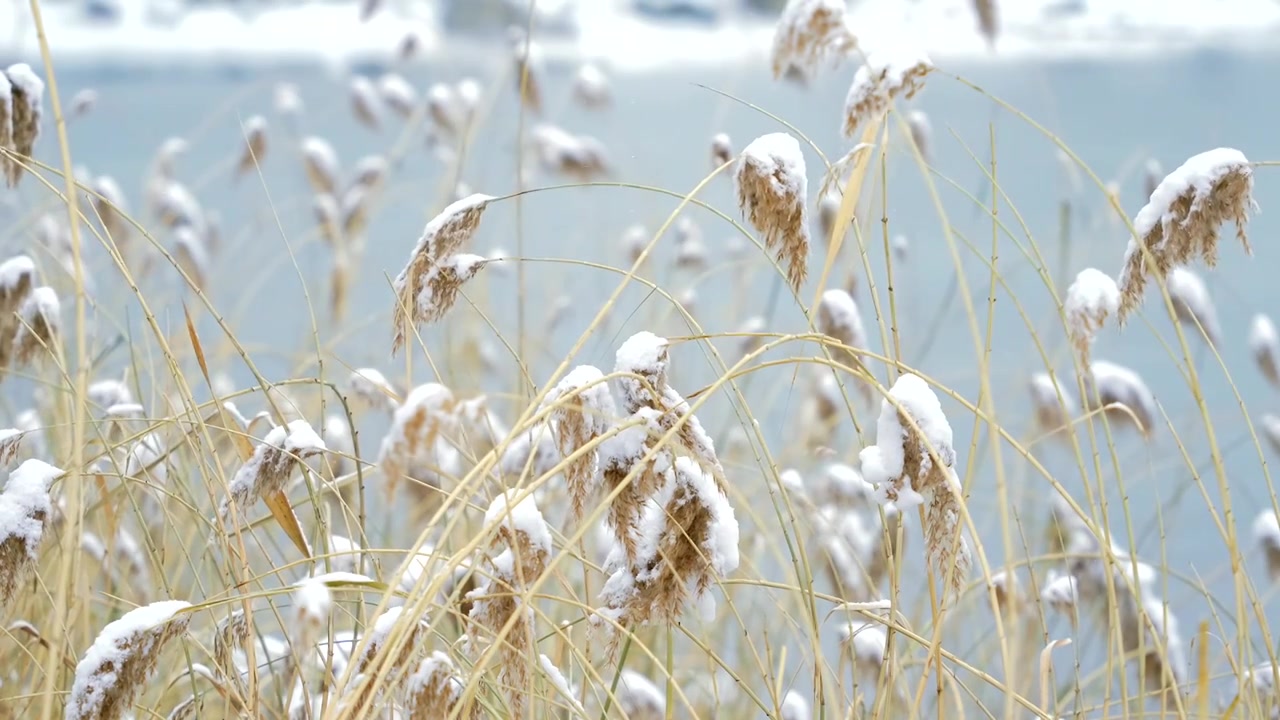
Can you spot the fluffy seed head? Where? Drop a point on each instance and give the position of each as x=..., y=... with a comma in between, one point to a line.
x=121, y=660
x=811, y=34
x=921, y=133
x=427, y=286
x=583, y=410
x=591, y=88
x=721, y=150
x=267, y=471
x=26, y=93
x=435, y=690
x=1180, y=222
x=25, y=507
x=1264, y=343
x=40, y=320
x=772, y=191
x=365, y=103
x=1107, y=383
x=321, y=163
x=882, y=80
x=417, y=430
x=255, y=144
x=398, y=94
x=1091, y=299
x=1192, y=305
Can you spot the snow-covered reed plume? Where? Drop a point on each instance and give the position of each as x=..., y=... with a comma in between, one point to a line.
x=1052, y=413
x=591, y=88
x=1180, y=222
x=367, y=388
x=17, y=279
x=885, y=78
x=921, y=133
x=772, y=193
x=811, y=35
x=39, y=322
x=267, y=471
x=428, y=285
x=25, y=507
x=1107, y=384
x=21, y=103
x=1266, y=533
x=111, y=207
x=523, y=532
x=191, y=253
x=398, y=94
x=1270, y=426
x=366, y=106
x=674, y=528
x=311, y=603
x=320, y=161
x=1061, y=594
x=639, y=698
x=415, y=442
x=435, y=690
x=838, y=319
x=287, y=102
x=691, y=251
x=582, y=411
x=721, y=150
x=1192, y=305
x=255, y=144
x=1091, y=299
x=580, y=157
x=911, y=463
x=120, y=662
x=866, y=644
x=82, y=103
x=1264, y=343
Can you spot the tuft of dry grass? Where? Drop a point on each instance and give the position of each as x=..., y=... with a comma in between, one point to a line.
x=25, y=509
x=882, y=80
x=21, y=101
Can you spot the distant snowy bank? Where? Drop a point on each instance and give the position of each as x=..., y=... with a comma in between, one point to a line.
x=629, y=35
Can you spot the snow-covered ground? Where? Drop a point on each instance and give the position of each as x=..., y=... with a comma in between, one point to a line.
x=156, y=31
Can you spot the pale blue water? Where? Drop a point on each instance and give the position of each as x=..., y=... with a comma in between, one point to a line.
x=1113, y=115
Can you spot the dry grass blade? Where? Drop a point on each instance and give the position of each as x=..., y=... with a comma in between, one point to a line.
x=772, y=191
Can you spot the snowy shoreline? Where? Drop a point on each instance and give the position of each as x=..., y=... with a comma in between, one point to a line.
x=144, y=37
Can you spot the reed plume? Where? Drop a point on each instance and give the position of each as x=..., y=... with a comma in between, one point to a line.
x=25, y=508
x=581, y=157
x=721, y=150
x=435, y=691
x=1091, y=299
x=116, y=668
x=1107, y=384
x=39, y=323
x=6, y=124
x=811, y=34
x=639, y=698
x=521, y=529
x=528, y=70
x=582, y=410
x=365, y=104
x=1192, y=305
x=838, y=319
x=911, y=463
x=367, y=388
x=1052, y=413
x=24, y=96
x=111, y=207
x=1264, y=343
x=988, y=20
x=428, y=285
x=1266, y=533
x=1180, y=222
x=267, y=471
x=320, y=161
x=885, y=78
x=413, y=445
x=591, y=88
x=921, y=134
x=772, y=190
x=255, y=144
x=398, y=94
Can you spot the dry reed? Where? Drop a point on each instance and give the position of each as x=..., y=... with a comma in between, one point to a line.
x=1180, y=222
x=1091, y=299
x=811, y=34
x=772, y=190
x=428, y=285
x=884, y=79
x=24, y=96
x=582, y=411
x=1264, y=343
x=25, y=508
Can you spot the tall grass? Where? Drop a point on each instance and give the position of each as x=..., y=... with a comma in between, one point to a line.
x=718, y=523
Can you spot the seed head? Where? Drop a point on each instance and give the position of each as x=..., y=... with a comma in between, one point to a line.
x=772, y=194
